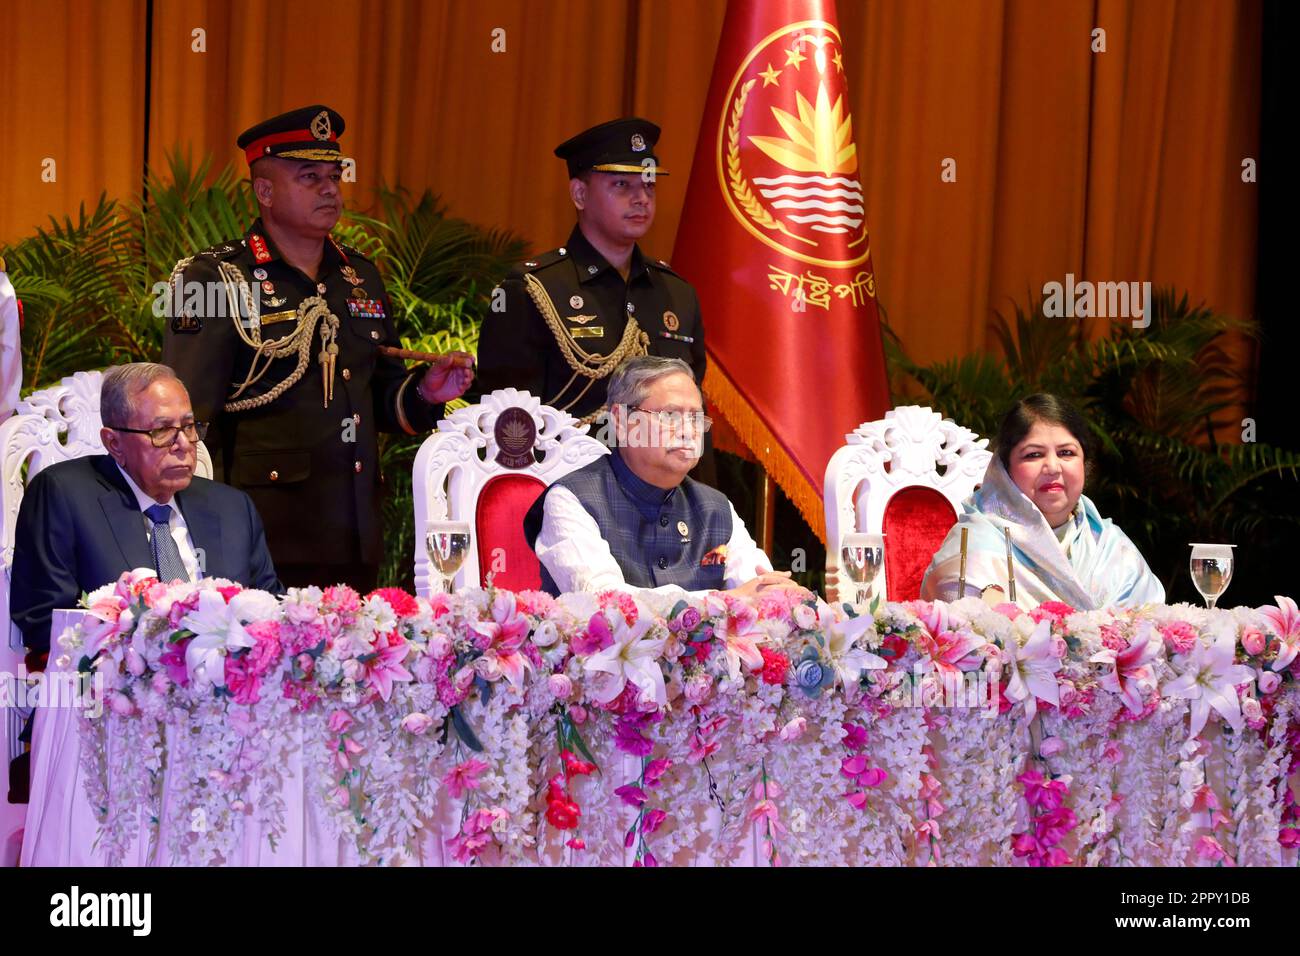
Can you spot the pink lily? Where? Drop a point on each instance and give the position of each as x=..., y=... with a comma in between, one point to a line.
x=934, y=615
x=740, y=633
x=1131, y=676
x=950, y=652
x=386, y=666
x=1285, y=619
x=506, y=632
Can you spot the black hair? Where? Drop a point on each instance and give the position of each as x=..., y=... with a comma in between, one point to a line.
x=1043, y=407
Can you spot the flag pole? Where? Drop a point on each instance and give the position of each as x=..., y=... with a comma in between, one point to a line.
x=767, y=512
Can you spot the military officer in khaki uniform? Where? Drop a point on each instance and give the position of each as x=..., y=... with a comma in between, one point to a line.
x=276, y=335
x=569, y=317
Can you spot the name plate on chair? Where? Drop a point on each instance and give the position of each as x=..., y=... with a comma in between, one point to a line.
x=515, y=434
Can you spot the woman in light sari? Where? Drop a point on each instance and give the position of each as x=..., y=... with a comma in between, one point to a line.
x=1062, y=549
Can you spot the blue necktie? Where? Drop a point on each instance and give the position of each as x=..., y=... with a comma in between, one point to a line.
x=166, y=556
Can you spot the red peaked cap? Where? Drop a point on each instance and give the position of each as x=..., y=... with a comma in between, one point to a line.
x=310, y=133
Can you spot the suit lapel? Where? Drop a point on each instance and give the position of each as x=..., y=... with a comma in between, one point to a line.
x=123, y=515
x=205, y=531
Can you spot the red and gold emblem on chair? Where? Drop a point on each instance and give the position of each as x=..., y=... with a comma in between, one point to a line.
x=515, y=434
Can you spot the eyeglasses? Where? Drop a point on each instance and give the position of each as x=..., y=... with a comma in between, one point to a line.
x=165, y=435
x=671, y=419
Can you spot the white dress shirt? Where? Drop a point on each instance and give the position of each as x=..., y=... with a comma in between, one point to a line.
x=571, y=548
x=180, y=531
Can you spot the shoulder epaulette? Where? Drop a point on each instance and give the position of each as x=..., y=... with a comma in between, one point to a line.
x=224, y=250
x=539, y=262
x=664, y=267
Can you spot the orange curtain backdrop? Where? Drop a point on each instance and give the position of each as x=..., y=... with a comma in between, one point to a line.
x=72, y=85
x=427, y=101
x=1123, y=165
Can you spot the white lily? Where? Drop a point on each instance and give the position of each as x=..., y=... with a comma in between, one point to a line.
x=1211, y=678
x=217, y=631
x=629, y=658
x=1033, y=669
x=846, y=657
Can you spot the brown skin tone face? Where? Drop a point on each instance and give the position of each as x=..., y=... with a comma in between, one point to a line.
x=1047, y=465
x=657, y=455
x=663, y=455
x=300, y=203
x=615, y=211
x=298, y=197
x=159, y=472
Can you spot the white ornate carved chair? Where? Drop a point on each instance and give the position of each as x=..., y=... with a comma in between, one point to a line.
x=904, y=476
x=51, y=425
x=486, y=465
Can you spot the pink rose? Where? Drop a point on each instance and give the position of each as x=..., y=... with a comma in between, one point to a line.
x=1269, y=682
x=560, y=686
x=805, y=617
x=160, y=682
x=1179, y=636
x=425, y=669
x=266, y=651
x=135, y=664
x=1253, y=641
x=794, y=729
x=1253, y=713
x=698, y=689
x=120, y=704
x=243, y=684
x=439, y=645
x=1052, y=746
x=353, y=669
x=1113, y=753
x=1059, y=647
x=578, y=714
x=463, y=680
x=340, y=722
x=416, y=723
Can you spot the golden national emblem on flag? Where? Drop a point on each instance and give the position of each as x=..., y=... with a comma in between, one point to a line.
x=797, y=189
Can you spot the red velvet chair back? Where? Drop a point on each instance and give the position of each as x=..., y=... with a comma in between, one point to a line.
x=499, y=524
x=916, y=521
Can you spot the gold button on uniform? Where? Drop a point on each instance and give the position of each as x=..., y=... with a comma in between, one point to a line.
x=357, y=468
x=321, y=288
x=374, y=334
x=356, y=419
x=347, y=375
x=275, y=476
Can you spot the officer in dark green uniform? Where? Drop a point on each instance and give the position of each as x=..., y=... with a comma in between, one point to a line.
x=276, y=336
x=563, y=321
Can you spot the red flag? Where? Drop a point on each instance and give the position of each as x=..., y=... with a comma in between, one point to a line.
x=774, y=236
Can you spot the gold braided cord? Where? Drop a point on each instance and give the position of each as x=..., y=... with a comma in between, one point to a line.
x=589, y=365
x=311, y=311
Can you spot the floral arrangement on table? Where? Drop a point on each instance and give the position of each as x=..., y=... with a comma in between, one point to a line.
x=493, y=726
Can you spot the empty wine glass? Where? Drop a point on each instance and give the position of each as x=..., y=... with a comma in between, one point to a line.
x=447, y=543
x=861, y=556
x=1211, y=568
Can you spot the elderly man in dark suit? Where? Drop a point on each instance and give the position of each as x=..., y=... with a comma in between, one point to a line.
x=85, y=521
